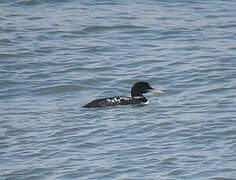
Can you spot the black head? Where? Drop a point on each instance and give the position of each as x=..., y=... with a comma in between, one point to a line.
x=140, y=88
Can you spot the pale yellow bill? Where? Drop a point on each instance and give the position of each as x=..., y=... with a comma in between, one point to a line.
x=156, y=91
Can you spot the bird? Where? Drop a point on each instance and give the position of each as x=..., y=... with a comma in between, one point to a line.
x=137, y=91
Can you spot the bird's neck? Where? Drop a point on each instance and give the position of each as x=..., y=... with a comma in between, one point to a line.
x=140, y=98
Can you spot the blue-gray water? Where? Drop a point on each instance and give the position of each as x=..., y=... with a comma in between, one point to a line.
x=58, y=55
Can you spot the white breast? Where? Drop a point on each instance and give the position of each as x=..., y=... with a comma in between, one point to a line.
x=146, y=102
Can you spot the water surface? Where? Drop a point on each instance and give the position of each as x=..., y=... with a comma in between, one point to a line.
x=58, y=55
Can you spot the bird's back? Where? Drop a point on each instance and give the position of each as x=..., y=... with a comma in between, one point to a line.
x=111, y=101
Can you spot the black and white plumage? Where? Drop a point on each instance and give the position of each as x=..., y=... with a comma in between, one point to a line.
x=137, y=97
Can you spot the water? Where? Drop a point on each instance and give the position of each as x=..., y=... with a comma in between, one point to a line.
x=58, y=55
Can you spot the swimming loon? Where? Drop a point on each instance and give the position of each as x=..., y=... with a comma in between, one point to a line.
x=137, y=97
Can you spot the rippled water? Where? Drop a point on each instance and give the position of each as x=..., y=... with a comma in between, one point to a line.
x=58, y=55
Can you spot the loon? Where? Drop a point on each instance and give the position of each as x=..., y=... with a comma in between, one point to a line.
x=137, y=97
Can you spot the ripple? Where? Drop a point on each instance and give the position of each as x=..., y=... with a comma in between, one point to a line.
x=107, y=28
x=58, y=89
x=216, y=90
x=58, y=55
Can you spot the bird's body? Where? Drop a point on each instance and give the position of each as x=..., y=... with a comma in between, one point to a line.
x=117, y=100
x=136, y=97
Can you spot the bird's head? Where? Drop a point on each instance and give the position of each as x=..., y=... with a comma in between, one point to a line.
x=140, y=88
